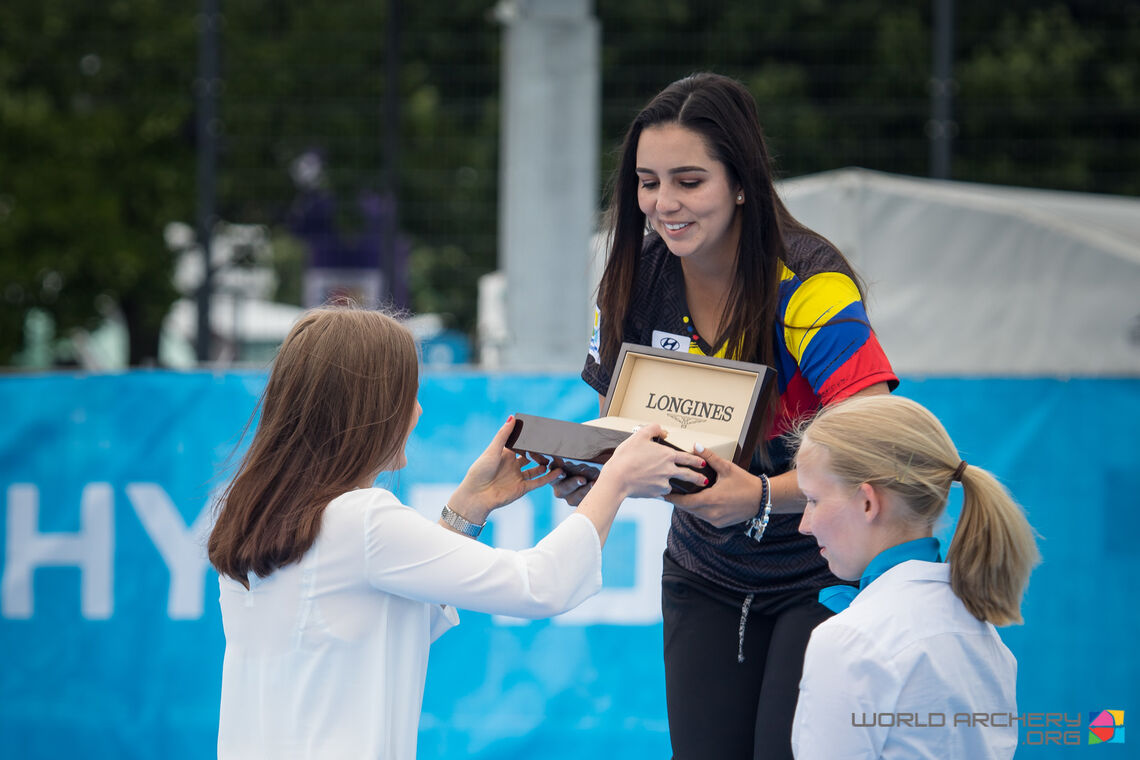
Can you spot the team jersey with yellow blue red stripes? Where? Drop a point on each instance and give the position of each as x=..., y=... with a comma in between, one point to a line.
x=825, y=351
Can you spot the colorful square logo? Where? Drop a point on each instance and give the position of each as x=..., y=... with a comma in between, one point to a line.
x=1106, y=727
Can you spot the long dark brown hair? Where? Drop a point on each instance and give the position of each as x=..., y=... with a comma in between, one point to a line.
x=723, y=112
x=337, y=408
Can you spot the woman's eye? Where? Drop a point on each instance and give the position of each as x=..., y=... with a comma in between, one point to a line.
x=689, y=184
x=648, y=184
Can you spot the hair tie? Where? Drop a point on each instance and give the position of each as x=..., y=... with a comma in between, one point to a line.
x=957, y=476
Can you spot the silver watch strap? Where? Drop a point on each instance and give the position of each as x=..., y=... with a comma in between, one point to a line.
x=459, y=523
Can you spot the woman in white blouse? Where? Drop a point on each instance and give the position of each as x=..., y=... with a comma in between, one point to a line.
x=332, y=591
x=911, y=666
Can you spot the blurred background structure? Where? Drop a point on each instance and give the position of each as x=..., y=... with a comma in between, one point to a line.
x=429, y=144
x=179, y=180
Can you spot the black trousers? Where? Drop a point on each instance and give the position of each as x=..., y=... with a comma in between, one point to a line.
x=720, y=707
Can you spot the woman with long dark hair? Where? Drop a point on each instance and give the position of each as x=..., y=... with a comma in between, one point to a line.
x=704, y=258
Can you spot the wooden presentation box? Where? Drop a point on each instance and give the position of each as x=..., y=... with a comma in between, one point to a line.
x=697, y=399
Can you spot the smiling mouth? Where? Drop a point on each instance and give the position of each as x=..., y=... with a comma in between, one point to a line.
x=678, y=226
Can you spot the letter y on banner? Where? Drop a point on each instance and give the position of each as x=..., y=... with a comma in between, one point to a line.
x=183, y=549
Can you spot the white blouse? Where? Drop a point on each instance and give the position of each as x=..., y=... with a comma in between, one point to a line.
x=327, y=657
x=906, y=672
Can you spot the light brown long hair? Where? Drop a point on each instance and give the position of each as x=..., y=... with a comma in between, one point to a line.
x=336, y=408
x=897, y=445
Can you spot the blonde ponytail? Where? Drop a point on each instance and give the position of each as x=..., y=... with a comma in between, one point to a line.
x=993, y=550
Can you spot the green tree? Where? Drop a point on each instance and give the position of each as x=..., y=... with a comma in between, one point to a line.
x=96, y=120
x=306, y=75
x=96, y=158
x=1050, y=96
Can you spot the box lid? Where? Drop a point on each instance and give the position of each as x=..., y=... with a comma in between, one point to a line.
x=690, y=392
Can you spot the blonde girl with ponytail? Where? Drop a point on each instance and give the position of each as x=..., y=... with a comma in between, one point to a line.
x=913, y=647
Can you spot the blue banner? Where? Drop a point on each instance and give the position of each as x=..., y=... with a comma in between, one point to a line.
x=111, y=640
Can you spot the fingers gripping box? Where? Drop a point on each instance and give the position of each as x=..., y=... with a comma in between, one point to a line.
x=696, y=399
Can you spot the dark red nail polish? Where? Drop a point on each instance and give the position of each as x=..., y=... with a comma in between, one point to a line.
x=706, y=481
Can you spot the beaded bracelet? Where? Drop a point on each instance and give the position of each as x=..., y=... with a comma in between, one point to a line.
x=758, y=524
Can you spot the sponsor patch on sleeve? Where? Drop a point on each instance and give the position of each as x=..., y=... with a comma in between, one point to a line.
x=596, y=337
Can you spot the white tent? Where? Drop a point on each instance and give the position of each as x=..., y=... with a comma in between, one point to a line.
x=984, y=280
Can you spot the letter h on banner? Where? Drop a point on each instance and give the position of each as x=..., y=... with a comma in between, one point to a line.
x=91, y=549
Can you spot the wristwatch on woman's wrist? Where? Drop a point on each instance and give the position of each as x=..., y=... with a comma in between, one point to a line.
x=460, y=524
